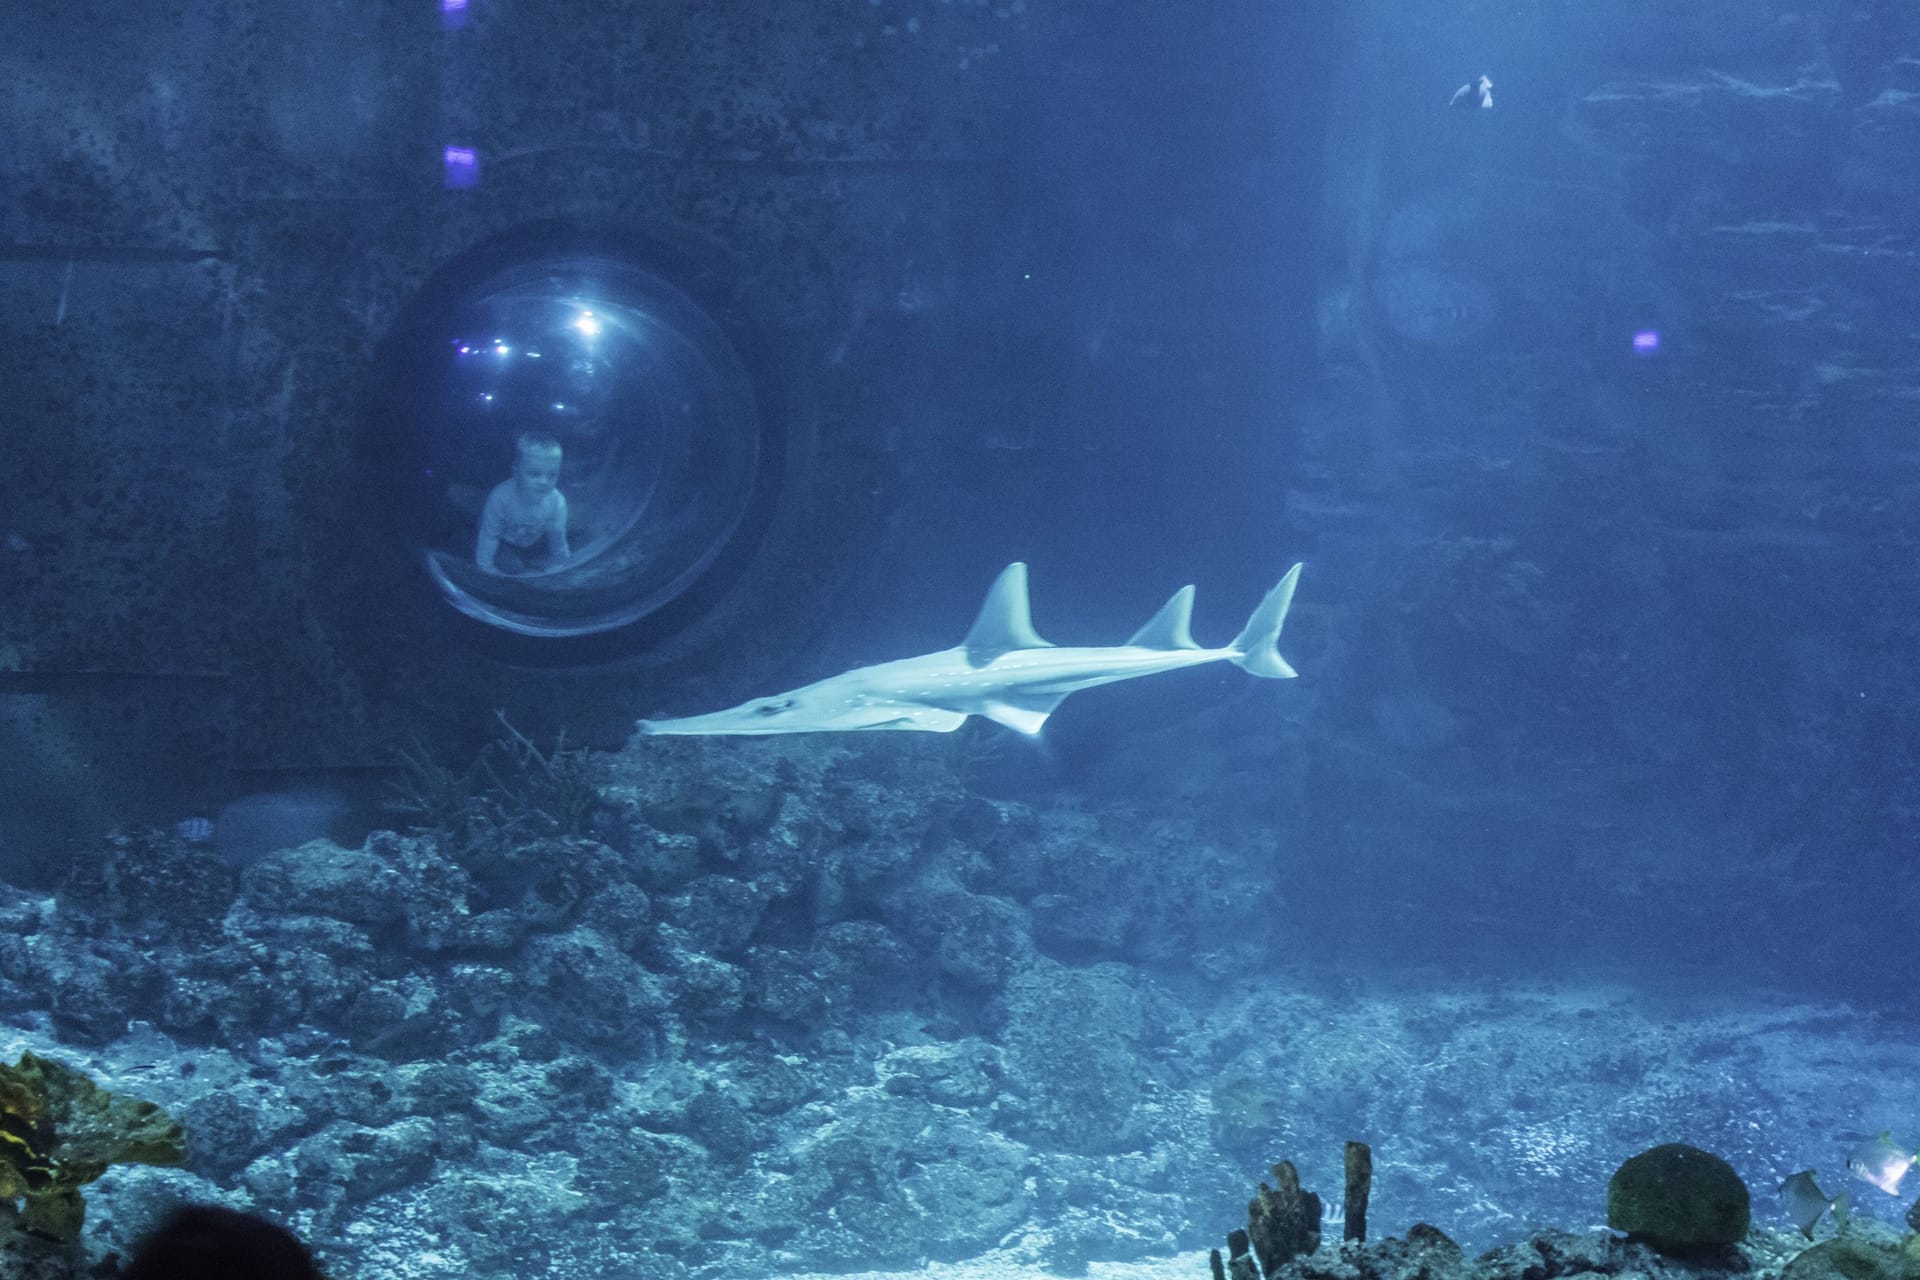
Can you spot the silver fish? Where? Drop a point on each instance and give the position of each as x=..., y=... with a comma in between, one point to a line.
x=1804, y=1202
x=1882, y=1162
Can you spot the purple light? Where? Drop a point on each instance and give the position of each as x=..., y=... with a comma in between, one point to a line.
x=461, y=168
x=1646, y=342
x=453, y=14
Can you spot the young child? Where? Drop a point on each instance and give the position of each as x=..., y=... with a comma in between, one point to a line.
x=525, y=510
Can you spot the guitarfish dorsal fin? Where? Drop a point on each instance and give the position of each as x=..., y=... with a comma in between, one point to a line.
x=1169, y=628
x=1005, y=623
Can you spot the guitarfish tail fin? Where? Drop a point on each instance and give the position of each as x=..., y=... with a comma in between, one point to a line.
x=1257, y=647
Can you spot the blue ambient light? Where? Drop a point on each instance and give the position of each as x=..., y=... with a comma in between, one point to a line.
x=461, y=168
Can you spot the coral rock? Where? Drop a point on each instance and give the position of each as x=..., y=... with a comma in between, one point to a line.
x=1679, y=1198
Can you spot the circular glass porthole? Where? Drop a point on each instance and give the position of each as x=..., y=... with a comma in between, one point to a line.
x=581, y=441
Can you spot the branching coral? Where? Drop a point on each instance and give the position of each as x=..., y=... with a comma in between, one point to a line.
x=512, y=791
x=556, y=787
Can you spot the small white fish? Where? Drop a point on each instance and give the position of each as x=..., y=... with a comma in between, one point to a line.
x=1477, y=93
x=194, y=830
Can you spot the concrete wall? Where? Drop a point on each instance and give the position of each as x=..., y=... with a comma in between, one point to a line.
x=986, y=243
x=1616, y=634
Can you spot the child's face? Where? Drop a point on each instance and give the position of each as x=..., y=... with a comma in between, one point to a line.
x=536, y=474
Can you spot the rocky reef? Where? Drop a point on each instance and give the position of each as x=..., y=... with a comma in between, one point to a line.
x=1683, y=1212
x=703, y=1009
x=691, y=1009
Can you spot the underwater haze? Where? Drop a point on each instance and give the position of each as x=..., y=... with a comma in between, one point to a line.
x=661, y=640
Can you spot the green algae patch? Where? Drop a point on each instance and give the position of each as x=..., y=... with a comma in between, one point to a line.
x=59, y=1131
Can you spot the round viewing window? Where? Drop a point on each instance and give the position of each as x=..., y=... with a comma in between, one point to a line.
x=582, y=442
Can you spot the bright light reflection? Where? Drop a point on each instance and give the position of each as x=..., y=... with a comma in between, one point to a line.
x=460, y=168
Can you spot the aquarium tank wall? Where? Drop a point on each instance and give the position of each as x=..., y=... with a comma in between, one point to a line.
x=578, y=584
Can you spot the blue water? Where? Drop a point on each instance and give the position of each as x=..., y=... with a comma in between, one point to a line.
x=1587, y=826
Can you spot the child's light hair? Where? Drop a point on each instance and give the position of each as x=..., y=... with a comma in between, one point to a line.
x=533, y=442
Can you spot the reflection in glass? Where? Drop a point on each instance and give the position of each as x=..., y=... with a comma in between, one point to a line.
x=625, y=383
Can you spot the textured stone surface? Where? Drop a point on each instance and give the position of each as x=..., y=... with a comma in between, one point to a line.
x=199, y=260
x=1866, y=1257
x=819, y=1095
x=1679, y=1197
